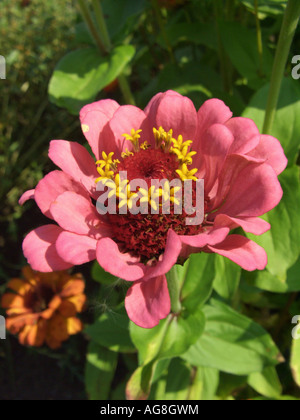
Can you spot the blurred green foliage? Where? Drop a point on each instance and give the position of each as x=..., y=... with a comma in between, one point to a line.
x=34, y=35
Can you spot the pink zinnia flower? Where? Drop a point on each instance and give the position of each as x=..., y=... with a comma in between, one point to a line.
x=239, y=167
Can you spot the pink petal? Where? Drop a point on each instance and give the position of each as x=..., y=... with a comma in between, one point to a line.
x=152, y=106
x=254, y=192
x=211, y=112
x=76, y=161
x=125, y=119
x=28, y=195
x=129, y=268
x=243, y=252
x=269, y=148
x=76, y=213
x=216, y=142
x=76, y=249
x=212, y=237
x=117, y=263
x=232, y=168
x=253, y=225
x=51, y=186
x=173, y=111
x=246, y=135
x=93, y=118
x=39, y=249
x=147, y=302
x=168, y=259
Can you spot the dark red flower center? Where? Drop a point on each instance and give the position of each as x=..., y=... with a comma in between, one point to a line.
x=150, y=164
x=145, y=235
x=39, y=299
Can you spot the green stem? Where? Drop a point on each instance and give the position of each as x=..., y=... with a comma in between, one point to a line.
x=125, y=89
x=101, y=23
x=163, y=30
x=287, y=33
x=87, y=17
x=230, y=8
x=259, y=39
x=174, y=290
x=222, y=56
x=102, y=28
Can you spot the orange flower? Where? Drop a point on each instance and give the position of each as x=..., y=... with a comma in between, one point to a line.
x=43, y=307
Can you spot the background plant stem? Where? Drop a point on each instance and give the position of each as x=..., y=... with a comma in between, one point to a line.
x=163, y=30
x=259, y=39
x=230, y=9
x=222, y=56
x=101, y=23
x=174, y=290
x=87, y=17
x=289, y=25
x=103, y=34
x=125, y=89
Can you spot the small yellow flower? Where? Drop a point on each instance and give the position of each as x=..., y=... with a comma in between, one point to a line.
x=185, y=174
x=150, y=196
x=134, y=137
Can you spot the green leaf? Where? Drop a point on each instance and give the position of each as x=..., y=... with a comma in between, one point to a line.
x=197, y=33
x=282, y=241
x=188, y=79
x=266, y=7
x=232, y=343
x=266, y=382
x=283, y=398
x=251, y=295
x=83, y=35
x=139, y=384
x=101, y=276
x=240, y=44
x=99, y=371
x=285, y=283
x=229, y=385
x=198, y=280
x=176, y=381
x=161, y=367
x=198, y=82
x=183, y=331
x=81, y=74
x=121, y=20
x=111, y=330
x=227, y=277
x=295, y=355
x=181, y=381
x=205, y=384
x=286, y=126
x=172, y=337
